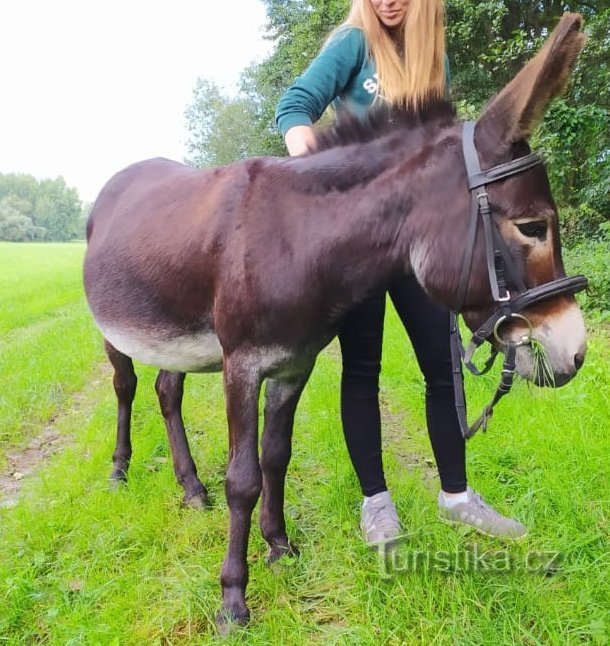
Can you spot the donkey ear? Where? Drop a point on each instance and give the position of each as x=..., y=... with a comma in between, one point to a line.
x=512, y=114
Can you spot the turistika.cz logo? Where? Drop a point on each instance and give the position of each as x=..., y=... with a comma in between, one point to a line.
x=398, y=557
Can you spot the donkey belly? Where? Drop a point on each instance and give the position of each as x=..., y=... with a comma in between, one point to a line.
x=194, y=352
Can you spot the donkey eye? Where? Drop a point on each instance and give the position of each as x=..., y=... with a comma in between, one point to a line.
x=535, y=229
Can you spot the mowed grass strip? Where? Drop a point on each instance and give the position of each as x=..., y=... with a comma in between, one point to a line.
x=49, y=346
x=82, y=564
x=36, y=279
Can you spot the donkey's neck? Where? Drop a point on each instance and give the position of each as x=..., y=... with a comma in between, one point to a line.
x=369, y=221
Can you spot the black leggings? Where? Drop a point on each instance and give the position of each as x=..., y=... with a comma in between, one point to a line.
x=360, y=336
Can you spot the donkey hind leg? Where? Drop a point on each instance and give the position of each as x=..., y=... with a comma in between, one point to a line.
x=281, y=399
x=243, y=485
x=170, y=388
x=125, y=382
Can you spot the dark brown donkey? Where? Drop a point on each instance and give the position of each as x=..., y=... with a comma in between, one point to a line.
x=248, y=268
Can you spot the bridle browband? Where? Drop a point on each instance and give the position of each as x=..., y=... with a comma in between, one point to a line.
x=502, y=271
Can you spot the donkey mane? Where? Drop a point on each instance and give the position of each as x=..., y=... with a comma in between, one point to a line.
x=384, y=120
x=376, y=143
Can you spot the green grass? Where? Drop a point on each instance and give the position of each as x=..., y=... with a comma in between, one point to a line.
x=37, y=280
x=82, y=564
x=48, y=343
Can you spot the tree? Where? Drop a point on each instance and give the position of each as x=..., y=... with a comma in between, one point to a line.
x=17, y=228
x=14, y=226
x=489, y=40
x=38, y=210
x=220, y=128
x=576, y=133
x=58, y=209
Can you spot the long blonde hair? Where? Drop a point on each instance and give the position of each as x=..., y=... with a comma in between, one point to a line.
x=411, y=70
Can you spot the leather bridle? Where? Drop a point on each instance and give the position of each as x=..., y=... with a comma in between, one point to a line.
x=502, y=271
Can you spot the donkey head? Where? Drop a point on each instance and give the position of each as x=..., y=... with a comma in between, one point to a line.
x=526, y=216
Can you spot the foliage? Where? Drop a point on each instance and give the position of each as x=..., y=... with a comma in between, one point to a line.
x=570, y=138
x=299, y=28
x=579, y=224
x=591, y=257
x=14, y=226
x=32, y=209
x=261, y=92
x=575, y=135
x=490, y=40
x=220, y=128
x=487, y=44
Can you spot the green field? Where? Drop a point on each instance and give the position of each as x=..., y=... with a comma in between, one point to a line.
x=81, y=564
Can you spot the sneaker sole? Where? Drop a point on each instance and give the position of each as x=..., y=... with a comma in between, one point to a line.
x=387, y=541
x=457, y=523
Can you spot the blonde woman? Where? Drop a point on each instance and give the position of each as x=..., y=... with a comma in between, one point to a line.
x=390, y=51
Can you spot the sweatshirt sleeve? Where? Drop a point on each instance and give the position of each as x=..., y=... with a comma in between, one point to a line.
x=325, y=78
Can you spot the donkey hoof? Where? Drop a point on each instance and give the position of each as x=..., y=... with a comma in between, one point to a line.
x=198, y=500
x=228, y=619
x=118, y=478
x=278, y=550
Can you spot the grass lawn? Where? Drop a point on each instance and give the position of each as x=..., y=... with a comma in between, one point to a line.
x=80, y=564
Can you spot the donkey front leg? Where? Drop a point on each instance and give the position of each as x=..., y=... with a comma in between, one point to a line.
x=281, y=399
x=125, y=382
x=170, y=389
x=243, y=485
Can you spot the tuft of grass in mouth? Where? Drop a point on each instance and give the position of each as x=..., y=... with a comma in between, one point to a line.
x=543, y=370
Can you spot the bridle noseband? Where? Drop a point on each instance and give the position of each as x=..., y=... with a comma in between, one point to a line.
x=502, y=271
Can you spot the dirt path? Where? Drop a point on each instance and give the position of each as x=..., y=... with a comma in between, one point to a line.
x=22, y=462
x=397, y=436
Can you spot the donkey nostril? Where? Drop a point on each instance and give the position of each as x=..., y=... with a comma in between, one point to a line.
x=579, y=359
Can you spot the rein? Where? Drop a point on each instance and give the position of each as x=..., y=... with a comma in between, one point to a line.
x=502, y=270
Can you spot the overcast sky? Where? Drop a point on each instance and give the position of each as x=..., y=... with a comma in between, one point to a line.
x=90, y=86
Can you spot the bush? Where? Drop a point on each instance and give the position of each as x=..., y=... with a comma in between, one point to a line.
x=592, y=258
x=579, y=224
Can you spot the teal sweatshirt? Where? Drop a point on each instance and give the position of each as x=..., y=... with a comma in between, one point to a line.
x=342, y=75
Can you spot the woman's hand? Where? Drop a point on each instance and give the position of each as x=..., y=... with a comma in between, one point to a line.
x=299, y=140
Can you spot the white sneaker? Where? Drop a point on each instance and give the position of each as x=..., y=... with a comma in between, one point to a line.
x=379, y=522
x=484, y=518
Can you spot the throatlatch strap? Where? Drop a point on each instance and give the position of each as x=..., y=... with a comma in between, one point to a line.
x=469, y=252
x=457, y=356
x=458, y=378
x=506, y=382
